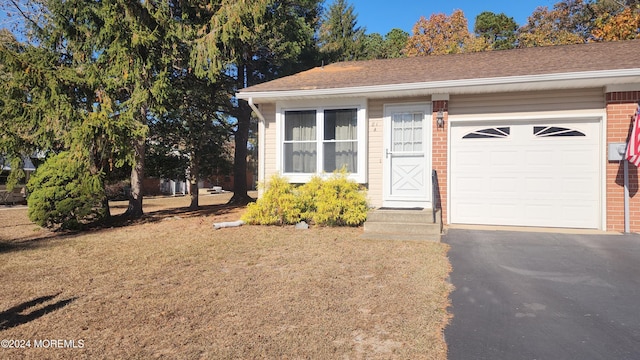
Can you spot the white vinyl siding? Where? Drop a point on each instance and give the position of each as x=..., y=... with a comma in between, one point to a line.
x=268, y=156
x=540, y=102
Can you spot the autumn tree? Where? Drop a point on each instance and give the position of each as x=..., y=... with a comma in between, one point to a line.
x=440, y=34
x=341, y=39
x=621, y=25
x=566, y=23
x=578, y=21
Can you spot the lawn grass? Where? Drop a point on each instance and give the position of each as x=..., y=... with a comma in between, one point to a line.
x=170, y=286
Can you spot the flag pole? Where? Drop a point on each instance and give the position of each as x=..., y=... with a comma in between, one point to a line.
x=632, y=152
x=626, y=196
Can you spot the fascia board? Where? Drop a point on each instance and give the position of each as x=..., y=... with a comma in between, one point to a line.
x=454, y=86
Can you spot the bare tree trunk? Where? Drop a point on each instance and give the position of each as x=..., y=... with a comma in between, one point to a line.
x=240, y=196
x=194, y=176
x=134, y=210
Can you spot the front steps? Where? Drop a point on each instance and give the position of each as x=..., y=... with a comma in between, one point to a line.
x=403, y=224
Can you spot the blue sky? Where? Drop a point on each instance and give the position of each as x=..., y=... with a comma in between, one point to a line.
x=383, y=15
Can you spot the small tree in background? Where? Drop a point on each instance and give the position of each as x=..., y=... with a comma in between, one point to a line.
x=390, y=46
x=395, y=43
x=498, y=30
x=341, y=39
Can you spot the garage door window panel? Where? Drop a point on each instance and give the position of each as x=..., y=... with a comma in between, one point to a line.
x=489, y=133
x=555, y=131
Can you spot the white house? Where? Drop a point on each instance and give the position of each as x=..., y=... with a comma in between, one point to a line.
x=517, y=137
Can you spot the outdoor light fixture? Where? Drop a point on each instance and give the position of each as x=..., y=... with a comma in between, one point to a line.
x=440, y=119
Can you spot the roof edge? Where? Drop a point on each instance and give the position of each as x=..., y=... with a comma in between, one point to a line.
x=435, y=85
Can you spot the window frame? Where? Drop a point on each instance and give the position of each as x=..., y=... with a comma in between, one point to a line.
x=319, y=106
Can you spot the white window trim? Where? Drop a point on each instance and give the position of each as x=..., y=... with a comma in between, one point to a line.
x=360, y=176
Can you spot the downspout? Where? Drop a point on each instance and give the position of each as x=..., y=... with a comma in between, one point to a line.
x=261, y=143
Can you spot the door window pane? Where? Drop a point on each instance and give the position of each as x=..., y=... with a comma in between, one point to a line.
x=407, y=132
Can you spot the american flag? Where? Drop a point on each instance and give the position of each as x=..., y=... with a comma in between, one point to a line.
x=633, y=147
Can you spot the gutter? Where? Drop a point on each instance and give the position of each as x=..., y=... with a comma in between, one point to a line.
x=261, y=141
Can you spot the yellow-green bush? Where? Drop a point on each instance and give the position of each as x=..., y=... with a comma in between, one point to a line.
x=340, y=201
x=307, y=197
x=277, y=206
x=336, y=201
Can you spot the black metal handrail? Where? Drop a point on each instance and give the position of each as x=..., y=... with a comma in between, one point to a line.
x=435, y=194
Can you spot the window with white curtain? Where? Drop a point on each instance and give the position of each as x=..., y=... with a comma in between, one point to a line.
x=323, y=140
x=340, y=140
x=300, y=142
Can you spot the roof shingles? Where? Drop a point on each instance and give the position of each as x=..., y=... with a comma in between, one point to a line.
x=492, y=64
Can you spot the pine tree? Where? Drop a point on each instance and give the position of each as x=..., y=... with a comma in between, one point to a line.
x=498, y=30
x=253, y=42
x=341, y=39
x=94, y=74
x=193, y=134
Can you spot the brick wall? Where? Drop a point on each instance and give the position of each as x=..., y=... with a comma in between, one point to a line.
x=439, y=154
x=621, y=106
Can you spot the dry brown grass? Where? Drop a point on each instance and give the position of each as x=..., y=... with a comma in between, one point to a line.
x=169, y=286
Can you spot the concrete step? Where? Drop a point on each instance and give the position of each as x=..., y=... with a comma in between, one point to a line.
x=402, y=224
x=400, y=216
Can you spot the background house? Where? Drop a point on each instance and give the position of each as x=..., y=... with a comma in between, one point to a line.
x=19, y=193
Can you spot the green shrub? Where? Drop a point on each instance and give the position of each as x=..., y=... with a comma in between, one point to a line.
x=340, y=202
x=336, y=201
x=62, y=192
x=307, y=198
x=277, y=206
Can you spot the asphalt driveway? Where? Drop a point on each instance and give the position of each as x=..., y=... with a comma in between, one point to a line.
x=523, y=295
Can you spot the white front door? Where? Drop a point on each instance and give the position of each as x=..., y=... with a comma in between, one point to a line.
x=407, y=160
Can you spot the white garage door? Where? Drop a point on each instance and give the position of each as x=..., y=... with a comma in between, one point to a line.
x=535, y=174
